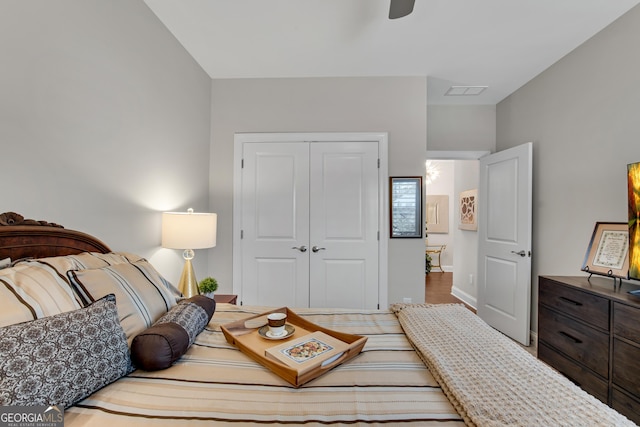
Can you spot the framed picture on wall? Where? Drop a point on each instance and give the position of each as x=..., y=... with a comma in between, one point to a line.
x=608, y=250
x=405, y=205
x=437, y=213
x=468, y=210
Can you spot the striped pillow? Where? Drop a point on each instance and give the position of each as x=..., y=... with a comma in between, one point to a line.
x=89, y=260
x=140, y=292
x=31, y=290
x=83, y=261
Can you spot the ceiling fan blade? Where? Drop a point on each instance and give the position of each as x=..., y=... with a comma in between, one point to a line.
x=400, y=8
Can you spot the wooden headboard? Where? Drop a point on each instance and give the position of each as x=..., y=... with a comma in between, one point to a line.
x=25, y=238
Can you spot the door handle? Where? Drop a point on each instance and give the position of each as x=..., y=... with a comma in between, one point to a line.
x=300, y=248
x=316, y=249
x=521, y=253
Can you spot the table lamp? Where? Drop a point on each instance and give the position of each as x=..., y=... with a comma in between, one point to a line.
x=188, y=231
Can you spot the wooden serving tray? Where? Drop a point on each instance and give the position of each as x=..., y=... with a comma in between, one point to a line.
x=244, y=335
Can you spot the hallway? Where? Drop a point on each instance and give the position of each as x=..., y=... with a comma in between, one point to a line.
x=437, y=289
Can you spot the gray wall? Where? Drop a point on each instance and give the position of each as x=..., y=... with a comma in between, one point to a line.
x=467, y=177
x=461, y=127
x=104, y=122
x=582, y=115
x=386, y=104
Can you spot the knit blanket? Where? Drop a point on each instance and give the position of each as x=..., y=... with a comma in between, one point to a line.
x=491, y=380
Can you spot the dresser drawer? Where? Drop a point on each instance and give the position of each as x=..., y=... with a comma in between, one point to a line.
x=576, y=340
x=626, y=366
x=626, y=405
x=574, y=302
x=626, y=322
x=578, y=374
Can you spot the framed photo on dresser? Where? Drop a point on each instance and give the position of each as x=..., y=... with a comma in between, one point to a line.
x=608, y=251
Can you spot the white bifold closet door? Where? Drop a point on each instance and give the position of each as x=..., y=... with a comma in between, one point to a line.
x=310, y=224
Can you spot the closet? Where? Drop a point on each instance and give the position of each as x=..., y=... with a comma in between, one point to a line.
x=309, y=223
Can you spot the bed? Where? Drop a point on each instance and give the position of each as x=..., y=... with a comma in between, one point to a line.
x=422, y=365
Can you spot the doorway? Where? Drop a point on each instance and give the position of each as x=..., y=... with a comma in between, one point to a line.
x=458, y=171
x=499, y=288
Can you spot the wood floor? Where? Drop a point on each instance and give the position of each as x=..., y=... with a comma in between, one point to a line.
x=437, y=289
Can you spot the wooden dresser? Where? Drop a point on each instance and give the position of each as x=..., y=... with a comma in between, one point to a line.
x=590, y=332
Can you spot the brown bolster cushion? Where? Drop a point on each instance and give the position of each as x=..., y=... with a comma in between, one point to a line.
x=161, y=345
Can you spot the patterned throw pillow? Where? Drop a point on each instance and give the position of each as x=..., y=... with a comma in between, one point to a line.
x=61, y=359
x=140, y=292
x=169, y=338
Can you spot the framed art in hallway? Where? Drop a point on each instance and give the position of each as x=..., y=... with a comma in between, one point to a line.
x=468, y=210
x=437, y=213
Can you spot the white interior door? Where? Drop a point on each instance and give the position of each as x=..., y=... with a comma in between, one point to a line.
x=344, y=225
x=310, y=224
x=504, y=252
x=275, y=220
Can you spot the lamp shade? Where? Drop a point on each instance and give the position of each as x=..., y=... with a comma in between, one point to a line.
x=189, y=230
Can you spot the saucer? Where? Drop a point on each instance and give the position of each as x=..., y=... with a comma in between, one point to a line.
x=265, y=333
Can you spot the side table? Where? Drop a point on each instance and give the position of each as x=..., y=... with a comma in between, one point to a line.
x=225, y=298
x=436, y=252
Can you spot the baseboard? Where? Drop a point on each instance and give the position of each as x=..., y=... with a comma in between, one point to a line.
x=533, y=339
x=464, y=297
x=442, y=269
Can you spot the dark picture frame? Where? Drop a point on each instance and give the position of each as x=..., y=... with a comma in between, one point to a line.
x=608, y=250
x=405, y=207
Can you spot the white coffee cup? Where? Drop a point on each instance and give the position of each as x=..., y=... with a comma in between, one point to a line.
x=276, y=323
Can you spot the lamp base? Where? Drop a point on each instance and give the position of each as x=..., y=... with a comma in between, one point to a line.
x=188, y=284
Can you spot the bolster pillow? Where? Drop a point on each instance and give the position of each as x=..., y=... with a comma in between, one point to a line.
x=159, y=346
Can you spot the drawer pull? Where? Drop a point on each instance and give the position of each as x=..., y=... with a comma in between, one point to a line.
x=570, y=301
x=571, y=337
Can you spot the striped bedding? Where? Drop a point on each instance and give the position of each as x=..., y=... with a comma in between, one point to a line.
x=214, y=383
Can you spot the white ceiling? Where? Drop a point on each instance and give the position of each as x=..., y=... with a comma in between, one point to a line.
x=497, y=43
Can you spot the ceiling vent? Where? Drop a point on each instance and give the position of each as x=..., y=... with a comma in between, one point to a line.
x=465, y=90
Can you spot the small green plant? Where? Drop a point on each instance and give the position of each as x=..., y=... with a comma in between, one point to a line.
x=427, y=257
x=208, y=285
x=427, y=264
